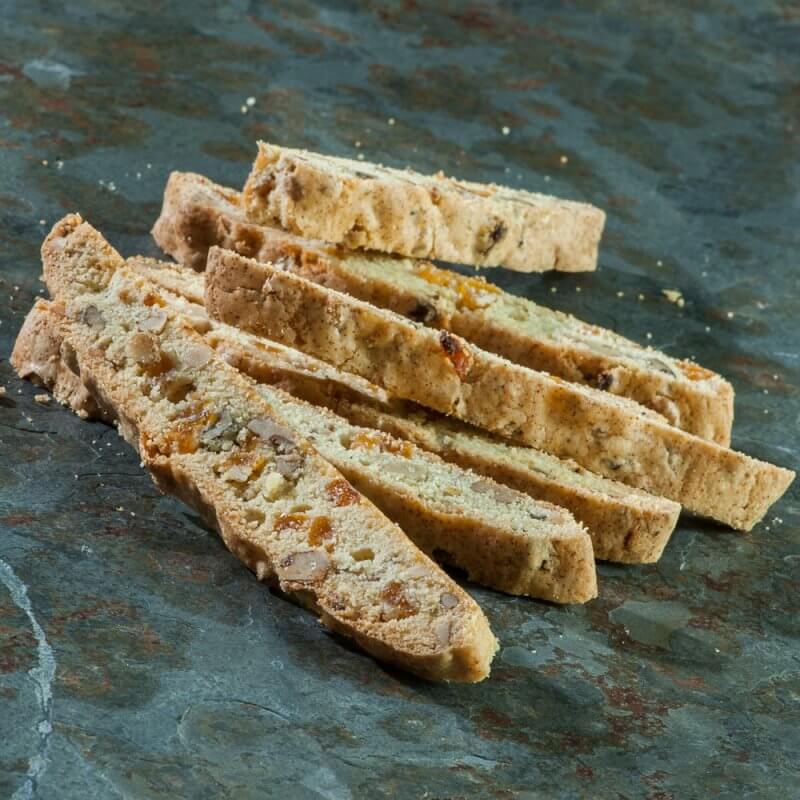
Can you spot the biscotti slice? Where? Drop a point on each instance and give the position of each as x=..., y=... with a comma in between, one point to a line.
x=604, y=433
x=362, y=205
x=197, y=214
x=500, y=537
x=208, y=436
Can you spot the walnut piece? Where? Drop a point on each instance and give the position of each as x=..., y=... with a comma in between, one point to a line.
x=155, y=321
x=448, y=600
x=306, y=566
x=441, y=630
x=93, y=317
x=197, y=355
x=143, y=348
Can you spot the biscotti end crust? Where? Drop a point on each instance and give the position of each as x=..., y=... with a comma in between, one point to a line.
x=207, y=434
x=366, y=206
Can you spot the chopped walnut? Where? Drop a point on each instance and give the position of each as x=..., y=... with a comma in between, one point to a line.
x=306, y=566
x=143, y=348
x=197, y=355
x=448, y=600
x=93, y=317
x=238, y=473
x=221, y=433
x=442, y=630
x=289, y=465
x=500, y=492
x=155, y=321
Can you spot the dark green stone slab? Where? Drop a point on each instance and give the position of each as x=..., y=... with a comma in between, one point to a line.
x=139, y=660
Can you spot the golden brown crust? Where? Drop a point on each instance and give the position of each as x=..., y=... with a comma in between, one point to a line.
x=207, y=434
x=603, y=433
x=362, y=205
x=198, y=213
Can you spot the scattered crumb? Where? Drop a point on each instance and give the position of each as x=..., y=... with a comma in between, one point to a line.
x=251, y=101
x=133, y=514
x=641, y=297
x=2, y=391
x=505, y=130
x=649, y=335
x=547, y=179
x=564, y=160
x=553, y=289
x=577, y=288
x=120, y=508
x=761, y=306
x=708, y=329
x=766, y=391
x=357, y=143
x=45, y=162
x=59, y=164
x=390, y=121
x=243, y=109
x=42, y=222
x=730, y=315
x=674, y=296
x=44, y=399
x=360, y=156
x=659, y=263
x=620, y=294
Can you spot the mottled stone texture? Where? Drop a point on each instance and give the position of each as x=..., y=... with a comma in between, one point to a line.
x=177, y=675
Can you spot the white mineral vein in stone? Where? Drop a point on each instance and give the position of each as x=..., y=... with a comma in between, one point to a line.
x=42, y=676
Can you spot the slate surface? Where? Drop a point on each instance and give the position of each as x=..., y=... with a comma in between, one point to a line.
x=139, y=659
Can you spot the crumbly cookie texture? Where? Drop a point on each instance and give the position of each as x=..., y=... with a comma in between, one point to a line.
x=604, y=433
x=502, y=538
x=625, y=524
x=198, y=214
x=37, y=357
x=208, y=436
x=362, y=205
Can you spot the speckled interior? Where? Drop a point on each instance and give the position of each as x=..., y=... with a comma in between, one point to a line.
x=139, y=659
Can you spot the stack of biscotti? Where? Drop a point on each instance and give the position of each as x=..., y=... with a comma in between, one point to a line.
x=575, y=391
x=346, y=414
x=210, y=436
x=198, y=214
x=625, y=524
